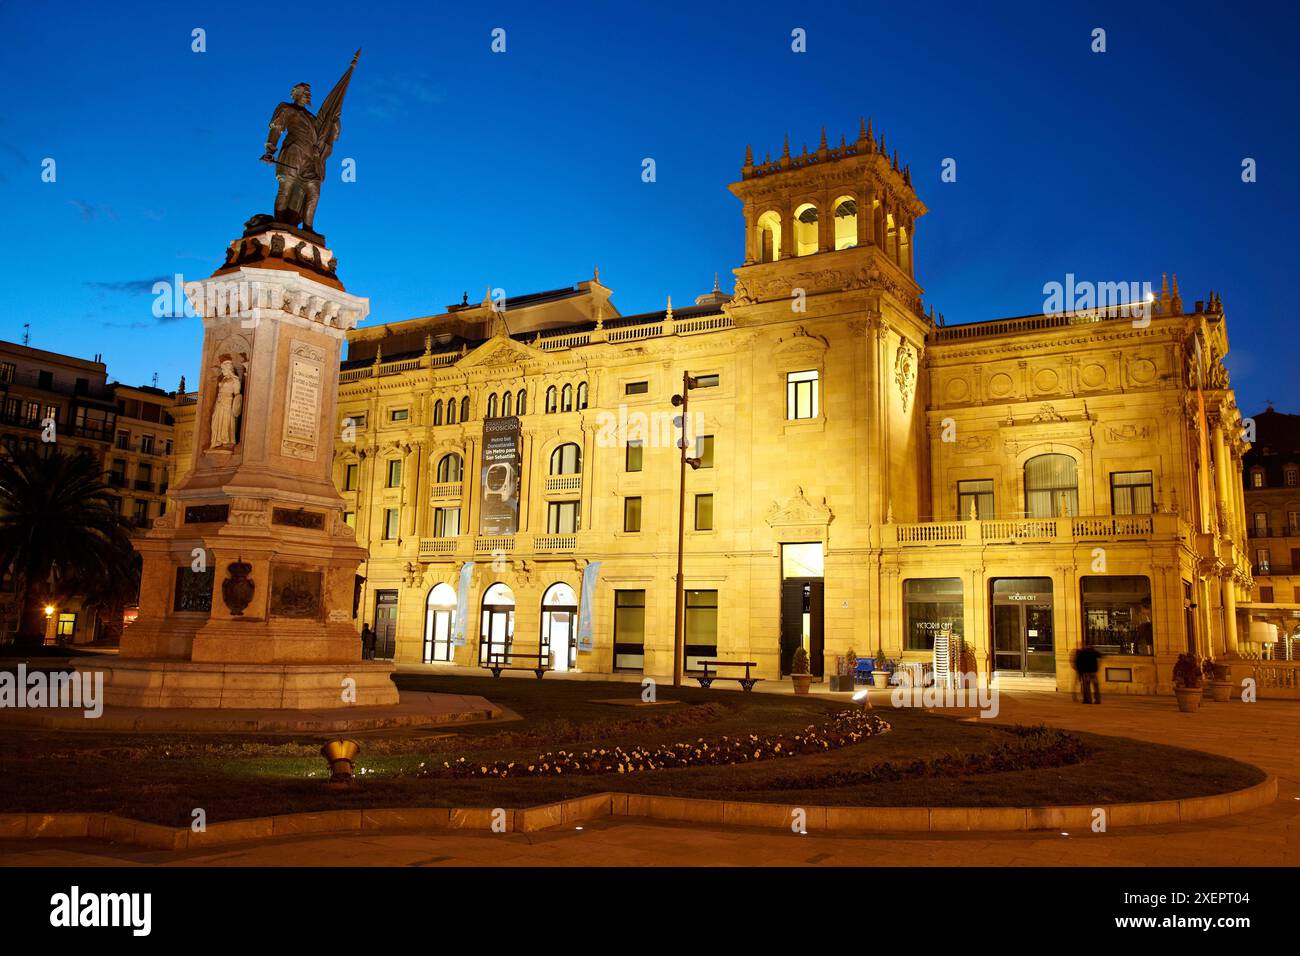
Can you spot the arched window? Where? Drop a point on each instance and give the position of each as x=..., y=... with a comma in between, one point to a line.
x=464, y=409
x=560, y=626
x=521, y=403
x=566, y=398
x=805, y=230
x=437, y=413
x=904, y=249
x=451, y=411
x=507, y=404
x=497, y=630
x=891, y=237
x=582, y=395
x=566, y=460
x=492, y=407
x=846, y=222
x=450, y=468
x=1051, y=487
x=550, y=399
x=769, y=236
x=439, y=623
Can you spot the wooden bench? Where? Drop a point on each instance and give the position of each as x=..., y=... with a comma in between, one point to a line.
x=706, y=678
x=496, y=663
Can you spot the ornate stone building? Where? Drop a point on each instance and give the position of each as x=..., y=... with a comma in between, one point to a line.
x=870, y=479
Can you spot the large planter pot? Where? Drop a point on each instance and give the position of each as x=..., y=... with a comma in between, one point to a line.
x=842, y=683
x=1189, y=699
x=802, y=682
x=880, y=678
x=1221, y=691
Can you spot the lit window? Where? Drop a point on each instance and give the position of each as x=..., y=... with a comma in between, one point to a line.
x=582, y=395
x=1131, y=493
x=1292, y=476
x=391, y=516
x=801, y=394
x=562, y=517
x=704, y=512
x=632, y=514
x=449, y=468
x=977, y=493
x=395, y=473
x=566, y=399
x=550, y=400
x=1257, y=479
x=350, y=519
x=566, y=460
x=350, y=478
x=67, y=626
x=704, y=450
x=446, y=522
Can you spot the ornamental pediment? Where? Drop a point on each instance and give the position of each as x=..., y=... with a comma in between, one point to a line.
x=797, y=510
x=500, y=350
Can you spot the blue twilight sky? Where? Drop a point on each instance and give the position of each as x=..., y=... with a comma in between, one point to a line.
x=523, y=170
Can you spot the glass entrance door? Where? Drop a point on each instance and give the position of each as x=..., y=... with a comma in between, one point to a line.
x=1008, y=638
x=1040, y=645
x=1024, y=638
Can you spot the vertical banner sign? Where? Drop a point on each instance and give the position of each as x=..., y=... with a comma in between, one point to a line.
x=586, y=603
x=499, y=502
x=462, y=606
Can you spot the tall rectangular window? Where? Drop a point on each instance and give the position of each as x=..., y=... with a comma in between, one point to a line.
x=1265, y=594
x=704, y=512
x=562, y=517
x=932, y=606
x=801, y=394
x=146, y=444
x=1262, y=560
x=629, y=630
x=1131, y=493
x=1293, y=522
x=350, y=478
x=395, y=473
x=350, y=519
x=977, y=493
x=701, y=628
x=391, y=518
x=632, y=514
x=446, y=522
x=1260, y=524
x=704, y=450
x=635, y=455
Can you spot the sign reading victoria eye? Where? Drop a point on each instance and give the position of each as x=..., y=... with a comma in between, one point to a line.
x=499, y=504
x=300, y=437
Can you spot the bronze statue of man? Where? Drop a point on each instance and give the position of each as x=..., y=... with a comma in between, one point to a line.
x=308, y=142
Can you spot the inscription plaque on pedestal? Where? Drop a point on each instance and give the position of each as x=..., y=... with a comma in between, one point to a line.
x=301, y=436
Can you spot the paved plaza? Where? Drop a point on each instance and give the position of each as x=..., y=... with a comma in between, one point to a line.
x=1266, y=734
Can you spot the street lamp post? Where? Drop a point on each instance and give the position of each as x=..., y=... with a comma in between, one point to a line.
x=679, y=620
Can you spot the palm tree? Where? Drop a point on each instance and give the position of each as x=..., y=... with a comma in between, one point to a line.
x=61, y=534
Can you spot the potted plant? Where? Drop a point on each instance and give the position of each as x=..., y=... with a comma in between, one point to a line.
x=880, y=671
x=1187, y=683
x=842, y=680
x=1219, y=680
x=800, y=673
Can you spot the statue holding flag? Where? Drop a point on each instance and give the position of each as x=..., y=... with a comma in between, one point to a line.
x=308, y=142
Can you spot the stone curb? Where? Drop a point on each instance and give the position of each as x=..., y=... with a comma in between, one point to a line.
x=45, y=720
x=107, y=826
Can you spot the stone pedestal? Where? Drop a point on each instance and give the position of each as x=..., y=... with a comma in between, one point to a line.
x=248, y=580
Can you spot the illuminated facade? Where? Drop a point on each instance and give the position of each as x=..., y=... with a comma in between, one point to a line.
x=870, y=480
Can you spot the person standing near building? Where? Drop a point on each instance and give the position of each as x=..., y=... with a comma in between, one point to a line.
x=367, y=643
x=1086, y=663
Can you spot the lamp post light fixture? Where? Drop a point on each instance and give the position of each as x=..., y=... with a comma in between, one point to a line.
x=341, y=755
x=681, y=401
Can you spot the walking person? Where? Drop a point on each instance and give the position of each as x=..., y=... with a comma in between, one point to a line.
x=1086, y=663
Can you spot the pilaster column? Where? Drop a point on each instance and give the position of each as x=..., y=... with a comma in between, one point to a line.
x=1229, y=616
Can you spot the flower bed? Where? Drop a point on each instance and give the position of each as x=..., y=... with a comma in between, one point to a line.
x=845, y=728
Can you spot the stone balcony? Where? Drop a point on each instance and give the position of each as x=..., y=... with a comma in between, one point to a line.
x=468, y=546
x=1013, y=531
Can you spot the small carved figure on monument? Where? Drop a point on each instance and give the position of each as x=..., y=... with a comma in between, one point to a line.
x=227, y=406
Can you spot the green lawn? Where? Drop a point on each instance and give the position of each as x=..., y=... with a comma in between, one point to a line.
x=163, y=777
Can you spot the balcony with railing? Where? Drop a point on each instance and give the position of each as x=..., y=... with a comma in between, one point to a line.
x=446, y=489
x=552, y=543
x=564, y=483
x=436, y=547
x=1000, y=531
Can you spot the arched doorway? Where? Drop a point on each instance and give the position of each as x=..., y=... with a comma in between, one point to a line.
x=439, y=620
x=560, y=626
x=497, y=630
